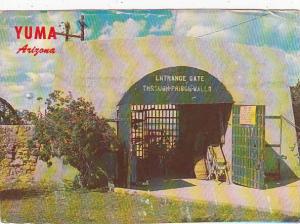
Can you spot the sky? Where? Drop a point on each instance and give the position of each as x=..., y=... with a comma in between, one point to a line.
x=23, y=78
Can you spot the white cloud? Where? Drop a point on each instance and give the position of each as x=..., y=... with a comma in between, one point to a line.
x=281, y=25
x=128, y=29
x=231, y=25
x=40, y=78
x=15, y=88
x=38, y=84
x=198, y=23
x=293, y=68
x=166, y=26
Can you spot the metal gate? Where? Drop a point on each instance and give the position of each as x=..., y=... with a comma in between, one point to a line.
x=154, y=125
x=248, y=136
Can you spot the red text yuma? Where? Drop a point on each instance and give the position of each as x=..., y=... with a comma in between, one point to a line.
x=38, y=32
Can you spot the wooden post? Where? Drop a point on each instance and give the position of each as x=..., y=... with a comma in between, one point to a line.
x=280, y=149
x=129, y=166
x=82, y=26
x=67, y=28
x=67, y=34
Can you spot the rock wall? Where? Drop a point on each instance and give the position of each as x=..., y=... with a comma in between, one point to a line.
x=17, y=161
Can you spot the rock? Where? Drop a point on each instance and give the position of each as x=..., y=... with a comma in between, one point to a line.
x=17, y=162
x=33, y=158
x=32, y=168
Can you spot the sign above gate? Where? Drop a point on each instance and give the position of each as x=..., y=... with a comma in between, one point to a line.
x=177, y=85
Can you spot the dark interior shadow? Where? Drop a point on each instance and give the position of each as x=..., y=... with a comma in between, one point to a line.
x=164, y=184
x=277, y=172
x=200, y=125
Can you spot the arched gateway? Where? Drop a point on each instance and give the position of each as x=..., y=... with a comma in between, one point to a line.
x=170, y=116
x=177, y=85
x=167, y=101
x=168, y=119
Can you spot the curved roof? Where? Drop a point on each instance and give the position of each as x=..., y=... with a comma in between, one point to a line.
x=177, y=85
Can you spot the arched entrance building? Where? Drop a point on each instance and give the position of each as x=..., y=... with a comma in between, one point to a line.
x=170, y=111
x=169, y=90
x=172, y=115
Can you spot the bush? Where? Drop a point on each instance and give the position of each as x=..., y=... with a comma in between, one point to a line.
x=72, y=130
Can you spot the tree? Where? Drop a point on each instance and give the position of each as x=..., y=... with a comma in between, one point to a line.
x=295, y=94
x=26, y=116
x=71, y=129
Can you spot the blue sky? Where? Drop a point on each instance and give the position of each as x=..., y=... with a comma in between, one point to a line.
x=98, y=20
x=275, y=29
x=21, y=74
x=260, y=28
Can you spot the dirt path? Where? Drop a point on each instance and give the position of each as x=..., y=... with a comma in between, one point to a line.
x=283, y=198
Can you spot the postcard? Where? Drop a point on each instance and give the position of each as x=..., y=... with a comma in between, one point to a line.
x=149, y=116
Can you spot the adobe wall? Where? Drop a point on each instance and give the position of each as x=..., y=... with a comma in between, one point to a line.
x=102, y=71
x=17, y=162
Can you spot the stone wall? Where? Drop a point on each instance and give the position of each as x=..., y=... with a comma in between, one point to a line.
x=17, y=162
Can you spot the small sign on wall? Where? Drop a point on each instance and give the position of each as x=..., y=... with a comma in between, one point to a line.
x=248, y=115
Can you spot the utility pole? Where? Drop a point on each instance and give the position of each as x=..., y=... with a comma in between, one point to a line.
x=67, y=34
x=82, y=26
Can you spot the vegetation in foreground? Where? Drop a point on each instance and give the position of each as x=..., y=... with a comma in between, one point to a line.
x=96, y=207
x=71, y=129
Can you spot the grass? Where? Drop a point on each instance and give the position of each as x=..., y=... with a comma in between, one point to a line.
x=97, y=207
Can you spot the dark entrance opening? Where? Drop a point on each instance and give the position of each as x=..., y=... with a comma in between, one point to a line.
x=200, y=125
x=169, y=139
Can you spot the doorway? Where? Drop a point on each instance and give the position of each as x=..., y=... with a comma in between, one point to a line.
x=150, y=121
x=168, y=138
x=200, y=125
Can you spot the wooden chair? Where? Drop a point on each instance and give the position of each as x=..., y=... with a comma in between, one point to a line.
x=216, y=163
